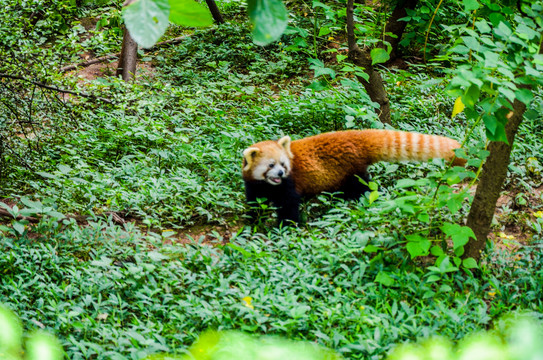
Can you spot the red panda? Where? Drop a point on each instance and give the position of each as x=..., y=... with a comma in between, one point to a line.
x=284, y=171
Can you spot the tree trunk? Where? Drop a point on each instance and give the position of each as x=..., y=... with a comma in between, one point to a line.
x=361, y=57
x=397, y=27
x=217, y=16
x=128, y=59
x=490, y=184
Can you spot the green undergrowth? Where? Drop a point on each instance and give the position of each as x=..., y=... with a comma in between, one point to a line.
x=113, y=293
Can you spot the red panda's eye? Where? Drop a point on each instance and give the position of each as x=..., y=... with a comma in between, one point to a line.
x=272, y=165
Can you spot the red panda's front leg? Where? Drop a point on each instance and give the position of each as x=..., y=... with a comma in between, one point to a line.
x=283, y=196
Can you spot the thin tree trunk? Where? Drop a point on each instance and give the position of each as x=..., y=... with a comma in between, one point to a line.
x=396, y=27
x=361, y=57
x=217, y=16
x=128, y=59
x=490, y=184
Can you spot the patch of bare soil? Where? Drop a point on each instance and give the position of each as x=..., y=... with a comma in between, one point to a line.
x=204, y=234
x=108, y=68
x=515, y=232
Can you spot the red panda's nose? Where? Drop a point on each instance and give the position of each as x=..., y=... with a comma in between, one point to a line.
x=280, y=173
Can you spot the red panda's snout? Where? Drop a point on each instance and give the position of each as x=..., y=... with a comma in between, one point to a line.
x=276, y=173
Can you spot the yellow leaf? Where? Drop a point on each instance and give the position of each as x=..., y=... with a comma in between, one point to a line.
x=458, y=107
x=247, y=302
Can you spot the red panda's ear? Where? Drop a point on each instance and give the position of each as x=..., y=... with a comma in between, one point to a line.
x=249, y=155
x=284, y=142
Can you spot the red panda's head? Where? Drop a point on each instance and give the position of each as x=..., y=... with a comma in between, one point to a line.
x=268, y=160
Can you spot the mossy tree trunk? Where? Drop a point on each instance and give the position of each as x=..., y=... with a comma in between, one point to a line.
x=128, y=59
x=490, y=184
x=361, y=57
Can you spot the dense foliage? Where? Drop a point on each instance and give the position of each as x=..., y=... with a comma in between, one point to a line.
x=114, y=190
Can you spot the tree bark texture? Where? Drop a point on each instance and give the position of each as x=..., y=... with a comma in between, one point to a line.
x=128, y=59
x=217, y=16
x=490, y=184
x=397, y=27
x=361, y=57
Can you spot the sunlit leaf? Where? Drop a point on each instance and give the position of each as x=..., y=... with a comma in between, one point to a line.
x=147, y=20
x=269, y=19
x=458, y=107
x=379, y=56
x=189, y=13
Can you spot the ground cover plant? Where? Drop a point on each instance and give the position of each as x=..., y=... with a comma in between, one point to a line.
x=123, y=230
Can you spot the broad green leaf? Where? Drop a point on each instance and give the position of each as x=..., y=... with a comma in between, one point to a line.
x=147, y=20
x=269, y=19
x=417, y=245
x=437, y=251
x=524, y=95
x=482, y=26
x=460, y=235
x=491, y=123
x=46, y=175
x=340, y=58
x=373, y=196
x=371, y=249
x=491, y=59
x=423, y=217
x=384, y=278
x=379, y=56
x=458, y=107
x=32, y=204
x=19, y=227
x=471, y=96
x=470, y=263
x=470, y=5
x=65, y=169
x=503, y=31
x=189, y=13
x=319, y=85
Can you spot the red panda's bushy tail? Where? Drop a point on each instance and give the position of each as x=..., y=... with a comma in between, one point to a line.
x=389, y=145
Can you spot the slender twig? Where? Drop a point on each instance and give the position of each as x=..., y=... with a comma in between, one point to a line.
x=49, y=87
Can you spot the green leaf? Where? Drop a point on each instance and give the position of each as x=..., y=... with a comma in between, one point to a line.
x=46, y=175
x=417, y=245
x=436, y=251
x=379, y=56
x=373, y=196
x=19, y=227
x=471, y=96
x=189, y=13
x=384, y=278
x=470, y=5
x=503, y=30
x=524, y=95
x=371, y=249
x=147, y=20
x=269, y=18
x=32, y=204
x=65, y=169
x=460, y=235
x=470, y=263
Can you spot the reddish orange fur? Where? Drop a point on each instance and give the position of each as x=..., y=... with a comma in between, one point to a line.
x=324, y=162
